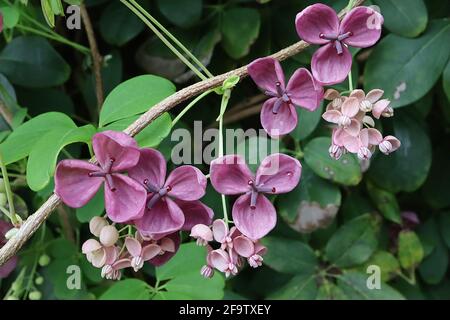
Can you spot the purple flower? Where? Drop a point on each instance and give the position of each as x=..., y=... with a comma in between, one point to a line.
x=278, y=115
x=319, y=24
x=11, y=264
x=172, y=203
x=77, y=181
x=253, y=214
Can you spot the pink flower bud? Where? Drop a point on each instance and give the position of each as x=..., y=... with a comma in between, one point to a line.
x=255, y=261
x=207, y=271
x=364, y=153
x=96, y=225
x=109, y=236
x=389, y=145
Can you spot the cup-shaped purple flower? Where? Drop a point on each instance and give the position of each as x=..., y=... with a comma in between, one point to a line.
x=319, y=24
x=278, y=115
x=253, y=214
x=77, y=181
x=172, y=203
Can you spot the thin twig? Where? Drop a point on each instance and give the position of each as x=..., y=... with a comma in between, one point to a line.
x=96, y=57
x=36, y=219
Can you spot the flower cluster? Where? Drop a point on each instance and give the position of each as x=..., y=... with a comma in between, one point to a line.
x=112, y=255
x=157, y=207
x=234, y=248
x=354, y=132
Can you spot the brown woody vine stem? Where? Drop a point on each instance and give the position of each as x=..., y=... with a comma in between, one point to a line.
x=35, y=220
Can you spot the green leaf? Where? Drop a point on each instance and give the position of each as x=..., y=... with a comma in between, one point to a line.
x=345, y=171
x=44, y=154
x=151, y=135
x=289, y=256
x=386, y=202
x=301, y=287
x=407, y=168
x=134, y=96
x=434, y=266
x=32, y=62
x=353, y=243
x=444, y=226
x=396, y=63
x=129, y=289
x=118, y=24
x=307, y=122
x=183, y=271
x=354, y=286
x=312, y=204
x=93, y=208
x=182, y=13
x=22, y=140
x=446, y=80
x=437, y=186
x=388, y=264
x=410, y=251
x=407, y=18
x=48, y=12
x=10, y=16
x=329, y=291
x=240, y=28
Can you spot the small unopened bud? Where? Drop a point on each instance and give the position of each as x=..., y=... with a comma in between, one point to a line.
x=35, y=295
x=96, y=225
x=11, y=233
x=336, y=152
x=3, y=199
x=364, y=153
x=39, y=280
x=365, y=106
x=44, y=260
x=207, y=271
x=385, y=147
x=109, y=236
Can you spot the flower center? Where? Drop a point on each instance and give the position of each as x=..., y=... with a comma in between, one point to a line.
x=105, y=173
x=255, y=190
x=282, y=95
x=158, y=194
x=337, y=40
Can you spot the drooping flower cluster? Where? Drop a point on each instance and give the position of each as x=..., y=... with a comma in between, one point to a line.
x=157, y=207
x=355, y=132
x=234, y=248
x=112, y=254
x=319, y=24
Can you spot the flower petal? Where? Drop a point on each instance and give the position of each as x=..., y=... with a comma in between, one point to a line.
x=281, y=123
x=127, y=201
x=219, y=259
x=358, y=94
x=365, y=25
x=151, y=166
x=354, y=128
x=161, y=259
x=254, y=223
x=90, y=245
x=164, y=218
x=195, y=212
x=133, y=246
x=329, y=67
x=374, y=95
x=150, y=251
x=73, y=184
x=8, y=267
x=279, y=172
x=351, y=143
x=201, y=231
x=332, y=116
x=350, y=107
x=338, y=136
x=394, y=142
x=380, y=107
x=374, y=136
x=266, y=72
x=186, y=183
x=316, y=20
x=244, y=246
x=220, y=230
x=118, y=146
x=303, y=90
x=230, y=175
